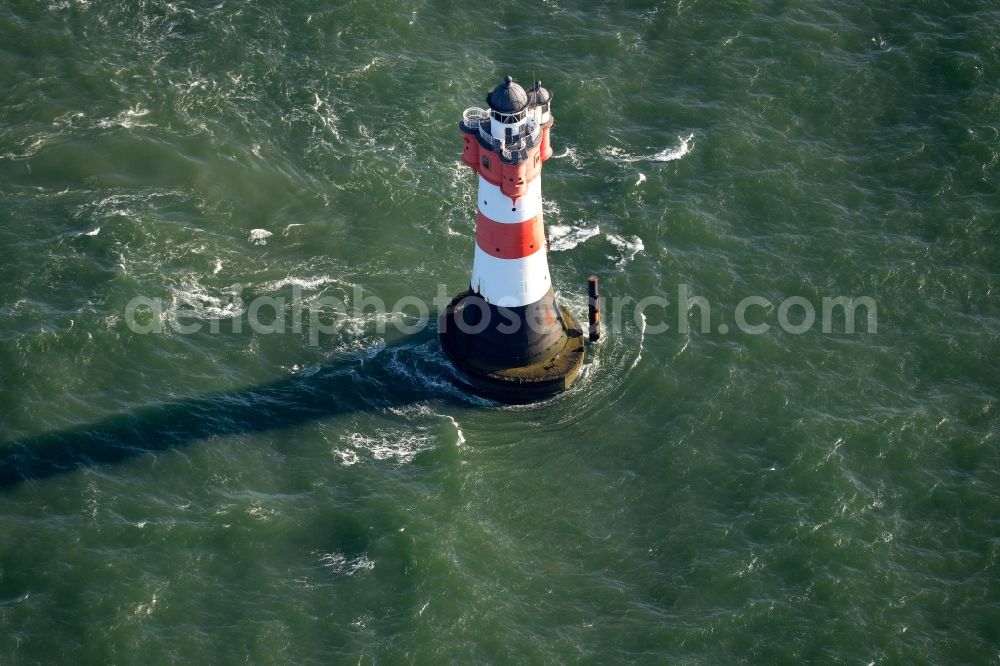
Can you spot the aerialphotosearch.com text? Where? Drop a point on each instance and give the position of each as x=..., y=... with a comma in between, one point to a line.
x=324, y=315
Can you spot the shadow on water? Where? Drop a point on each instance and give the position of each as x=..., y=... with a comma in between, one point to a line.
x=388, y=378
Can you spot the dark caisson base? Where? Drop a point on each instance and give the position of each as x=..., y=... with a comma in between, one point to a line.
x=516, y=381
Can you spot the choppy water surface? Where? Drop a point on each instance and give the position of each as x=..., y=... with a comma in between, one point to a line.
x=706, y=497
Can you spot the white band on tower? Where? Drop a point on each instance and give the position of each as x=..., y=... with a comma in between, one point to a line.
x=499, y=207
x=510, y=282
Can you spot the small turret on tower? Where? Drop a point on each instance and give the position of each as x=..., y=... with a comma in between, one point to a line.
x=541, y=100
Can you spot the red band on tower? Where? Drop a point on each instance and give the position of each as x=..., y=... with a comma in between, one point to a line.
x=512, y=240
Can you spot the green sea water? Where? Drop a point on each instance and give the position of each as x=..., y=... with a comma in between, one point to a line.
x=705, y=496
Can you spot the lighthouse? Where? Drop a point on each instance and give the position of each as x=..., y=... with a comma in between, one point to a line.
x=507, y=333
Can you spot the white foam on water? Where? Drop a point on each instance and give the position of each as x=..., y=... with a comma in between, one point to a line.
x=259, y=236
x=144, y=610
x=687, y=343
x=127, y=119
x=590, y=369
x=327, y=116
x=563, y=237
x=191, y=299
x=424, y=410
x=362, y=621
x=642, y=340
x=68, y=118
x=571, y=155
x=302, y=283
x=373, y=349
x=307, y=371
x=642, y=177
x=341, y=564
x=396, y=444
x=358, y=344
x=92, y=232
x=665, y=155
x=671, y=154
x=347, y=457
x=360, y=327
x=33, y=148
x=550, y=207
x=458, y=430
x=261, y=513
x=619, y=155
x=628, y=247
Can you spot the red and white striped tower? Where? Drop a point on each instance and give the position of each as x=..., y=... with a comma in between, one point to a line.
x=507, y=333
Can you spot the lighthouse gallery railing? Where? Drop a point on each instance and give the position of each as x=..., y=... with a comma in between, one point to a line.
x=515, y=150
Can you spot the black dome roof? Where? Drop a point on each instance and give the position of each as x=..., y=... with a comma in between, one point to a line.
x=508, y=97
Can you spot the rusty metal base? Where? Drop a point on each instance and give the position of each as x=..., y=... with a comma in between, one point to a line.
x=522, y=384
